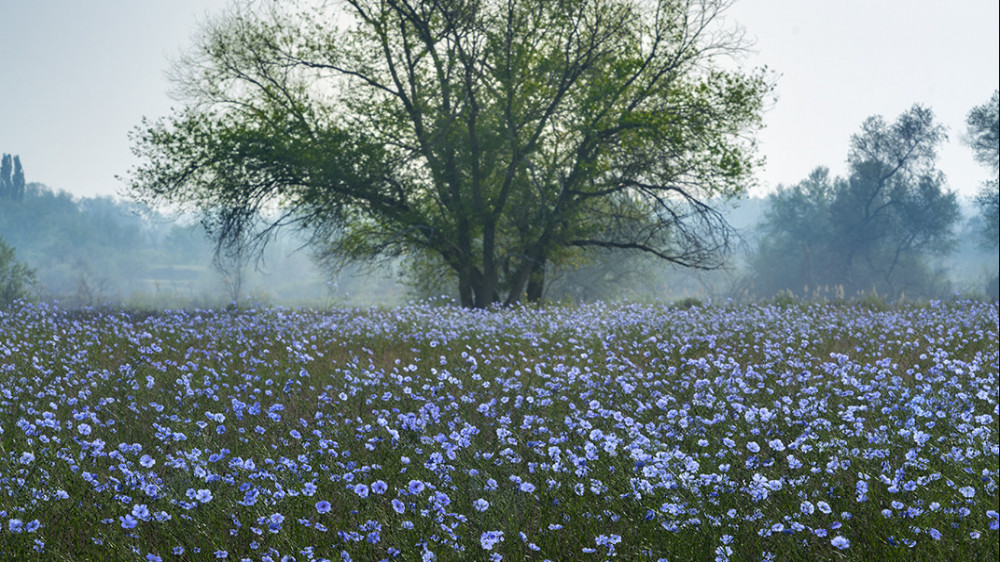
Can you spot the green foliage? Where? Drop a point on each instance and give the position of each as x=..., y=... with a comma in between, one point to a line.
x=16, y=278
x=688, y=302
x=498, y=139
x=869, y=232
x=983, y=136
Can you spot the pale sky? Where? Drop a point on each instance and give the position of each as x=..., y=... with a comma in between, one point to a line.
x=77, y=76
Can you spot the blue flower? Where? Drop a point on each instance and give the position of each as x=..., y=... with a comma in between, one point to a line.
x=490, y=538
x=840, y=542
x=323, y=506
x=140, y=511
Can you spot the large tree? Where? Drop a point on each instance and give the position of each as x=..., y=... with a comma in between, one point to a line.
x=871, y=230
x=492, y=138
x=983, y=136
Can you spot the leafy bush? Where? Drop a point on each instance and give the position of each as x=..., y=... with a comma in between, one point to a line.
x=16, y=278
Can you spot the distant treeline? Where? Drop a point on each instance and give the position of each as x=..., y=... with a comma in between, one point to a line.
x=94, y=250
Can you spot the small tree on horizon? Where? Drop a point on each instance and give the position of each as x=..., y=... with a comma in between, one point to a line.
x=12, y=184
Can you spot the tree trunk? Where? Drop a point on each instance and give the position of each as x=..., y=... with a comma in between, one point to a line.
x=465, y=292
x=536, y=282
x=488, y=284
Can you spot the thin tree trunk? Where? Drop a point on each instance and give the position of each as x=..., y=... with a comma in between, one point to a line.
x=536, y=282
x=465, y=292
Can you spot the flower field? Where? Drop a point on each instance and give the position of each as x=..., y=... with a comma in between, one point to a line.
x=826, y=431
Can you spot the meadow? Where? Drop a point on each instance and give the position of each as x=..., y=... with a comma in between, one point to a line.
x=637, y=432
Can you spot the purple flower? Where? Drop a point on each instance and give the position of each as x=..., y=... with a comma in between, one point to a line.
x=323, y=506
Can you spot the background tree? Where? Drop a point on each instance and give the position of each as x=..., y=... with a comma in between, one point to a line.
x=871, y=230
x=983, y=136
x=495, y=138
x=17, y=180
x=6, y=179
x=794, y=237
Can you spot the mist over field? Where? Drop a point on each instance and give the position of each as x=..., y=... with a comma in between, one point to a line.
x=89, y=251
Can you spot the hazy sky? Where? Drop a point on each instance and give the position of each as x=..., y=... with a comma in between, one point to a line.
x=78, y=75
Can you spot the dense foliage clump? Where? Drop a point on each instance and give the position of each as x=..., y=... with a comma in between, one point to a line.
x=637, y=432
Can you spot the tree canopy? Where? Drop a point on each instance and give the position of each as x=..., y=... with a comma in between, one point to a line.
x=492, y=139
